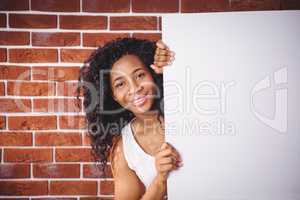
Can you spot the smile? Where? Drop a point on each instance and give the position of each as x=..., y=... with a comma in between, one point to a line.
x=139, y=101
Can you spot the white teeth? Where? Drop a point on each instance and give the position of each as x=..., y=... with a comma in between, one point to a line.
x=138, y=97
x=139, y=101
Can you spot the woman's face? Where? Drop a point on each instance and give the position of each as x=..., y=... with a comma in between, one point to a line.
x=132, y=84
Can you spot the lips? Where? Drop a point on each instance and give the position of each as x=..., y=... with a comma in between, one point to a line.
x=139, y=100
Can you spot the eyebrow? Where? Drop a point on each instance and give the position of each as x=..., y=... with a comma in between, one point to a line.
x=119, y=77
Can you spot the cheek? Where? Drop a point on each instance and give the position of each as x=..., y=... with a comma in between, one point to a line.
x=150, y=84
x=120, y=97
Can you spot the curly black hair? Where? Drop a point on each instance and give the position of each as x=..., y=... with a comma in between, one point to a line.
x=104, y=127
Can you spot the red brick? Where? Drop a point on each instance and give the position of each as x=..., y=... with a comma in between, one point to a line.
x=93, y=171
x=96, y=198
x=133, y=23
x=57, y=105
x=31, y=122
x=2, y=89
x=55, y=198
x=194, y=6
x=106, y=5
x=14, y=170
x=58, y=139
x=290, y=4
x=242, y=5
x=75, y=55
x=99, y=39
x=159, y=23
x=55, y=73
x=33, y=55
x=74, y=155
x=2, y=20
x=106, y=187
x=55, y=39
x=13, y=5
x=83, y=22
x=2, y=122
x=72, y=122
x=23, y=188
x=32, y=21
x=30, y=88
x=16, y=139
x=87, y=140
x=3, y=56
x=15, y=105
x=11, y=72
x=73, y=187
x=56, y=5
x=68, y=89
x=28, y=155
x=161, y=6
x=45, y=170
x=148, y=36
x=14, y=38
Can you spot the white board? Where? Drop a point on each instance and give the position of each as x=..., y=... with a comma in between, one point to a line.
x=232, y=105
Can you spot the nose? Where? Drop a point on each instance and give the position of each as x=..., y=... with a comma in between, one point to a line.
x=135, y=87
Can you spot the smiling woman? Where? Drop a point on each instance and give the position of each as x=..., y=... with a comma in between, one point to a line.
x=126, y=122
x=132, y=84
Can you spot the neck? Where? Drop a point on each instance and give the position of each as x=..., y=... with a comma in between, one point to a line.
x=148, y=122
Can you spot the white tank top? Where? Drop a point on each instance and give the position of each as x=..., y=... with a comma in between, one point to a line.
x=138, y=160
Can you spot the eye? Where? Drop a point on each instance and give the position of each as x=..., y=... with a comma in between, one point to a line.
x=119, y=85
x=141, y=75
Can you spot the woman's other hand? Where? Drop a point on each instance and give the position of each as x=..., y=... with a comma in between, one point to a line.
x=166, y=160
x=163, y=57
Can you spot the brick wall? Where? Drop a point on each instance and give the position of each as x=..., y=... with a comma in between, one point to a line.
x=44, y=151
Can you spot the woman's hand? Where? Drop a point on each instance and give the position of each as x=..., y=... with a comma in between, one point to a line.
x=166, y=160
x=163, y=57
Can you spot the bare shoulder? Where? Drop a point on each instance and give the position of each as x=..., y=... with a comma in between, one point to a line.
x=127, y=184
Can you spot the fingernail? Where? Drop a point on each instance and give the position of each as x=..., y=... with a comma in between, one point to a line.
x=180, y=164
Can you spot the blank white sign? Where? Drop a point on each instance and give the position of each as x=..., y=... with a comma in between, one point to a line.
x=232, y=105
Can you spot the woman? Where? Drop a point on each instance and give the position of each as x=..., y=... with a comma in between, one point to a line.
x=126, y=123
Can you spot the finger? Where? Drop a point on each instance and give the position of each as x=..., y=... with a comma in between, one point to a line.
x=166, y=167
x=162, y=63
x=169, y=153
x=159, y=51
x=164, y=145
x=164, y=151
x=158, y=70
x=164, y=58
x=161, y=44
x=166, y=52
x=174, y=151
x=167, y=160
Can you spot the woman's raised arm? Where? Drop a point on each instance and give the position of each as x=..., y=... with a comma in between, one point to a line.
x=127, y=184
